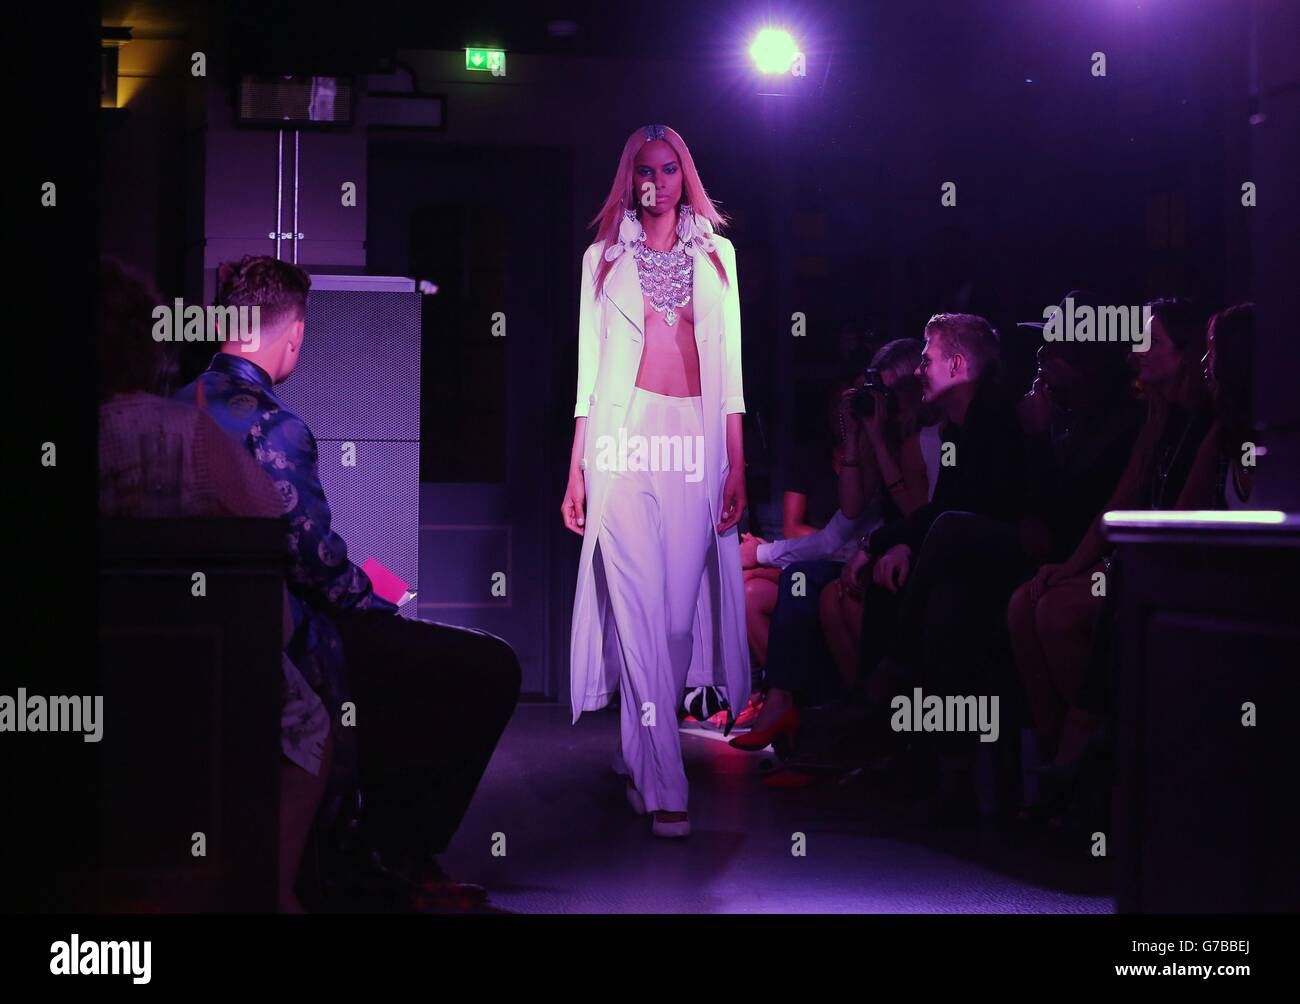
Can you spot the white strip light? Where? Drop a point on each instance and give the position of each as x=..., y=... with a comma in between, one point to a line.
x=1251, y=517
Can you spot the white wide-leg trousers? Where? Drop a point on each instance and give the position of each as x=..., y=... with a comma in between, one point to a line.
x=655, y=536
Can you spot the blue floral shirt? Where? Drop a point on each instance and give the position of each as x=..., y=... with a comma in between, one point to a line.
x=322, y=582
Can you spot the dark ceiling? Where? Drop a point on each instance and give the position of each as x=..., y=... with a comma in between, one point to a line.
x=665, y=28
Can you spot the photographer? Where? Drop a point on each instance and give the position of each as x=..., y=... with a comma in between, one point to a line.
x=883, y=471
x=891, y=446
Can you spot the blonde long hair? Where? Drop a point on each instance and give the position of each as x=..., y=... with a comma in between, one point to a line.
x=622, y=194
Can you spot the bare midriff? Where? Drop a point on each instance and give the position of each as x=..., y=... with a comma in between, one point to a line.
x=670, y=363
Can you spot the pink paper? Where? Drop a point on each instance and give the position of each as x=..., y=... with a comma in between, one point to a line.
x=387, y=585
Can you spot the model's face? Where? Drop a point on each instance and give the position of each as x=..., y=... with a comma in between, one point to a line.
x=656, y=168
x=1158, y=366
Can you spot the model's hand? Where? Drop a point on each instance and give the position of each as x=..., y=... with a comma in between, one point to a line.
x=749, y=550
x=891, y=570
x=733, y=499
x=574, y=506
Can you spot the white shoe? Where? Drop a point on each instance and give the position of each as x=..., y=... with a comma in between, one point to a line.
x=635, y=800
x=681, y=829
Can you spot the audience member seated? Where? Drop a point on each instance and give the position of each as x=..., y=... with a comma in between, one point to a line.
x=883, y=466
x=160, y=458
x=1051, y=617
x=894, y=487
x=432, y=699
x=981, y=472
x=1073, y=787
x=808, y=506
x=1224, y=469
x=1079, y=421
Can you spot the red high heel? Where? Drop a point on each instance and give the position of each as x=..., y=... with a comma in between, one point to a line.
x=757, y=739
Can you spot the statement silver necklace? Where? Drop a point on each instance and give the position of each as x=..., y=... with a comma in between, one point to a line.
x=666, y=276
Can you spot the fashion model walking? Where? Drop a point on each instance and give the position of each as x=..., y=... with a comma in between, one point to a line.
x=657, y=471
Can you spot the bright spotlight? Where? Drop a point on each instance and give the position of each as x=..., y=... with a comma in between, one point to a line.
x=773, y=51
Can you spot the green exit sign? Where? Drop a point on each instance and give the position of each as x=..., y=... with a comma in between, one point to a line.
x=491, y=60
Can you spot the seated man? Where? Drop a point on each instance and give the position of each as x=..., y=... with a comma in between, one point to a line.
x=915, y=620
x=884, y=468
x=431, y=700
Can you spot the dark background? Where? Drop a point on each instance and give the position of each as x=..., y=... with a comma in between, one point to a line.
x=1130, y=184
x=1127, y=184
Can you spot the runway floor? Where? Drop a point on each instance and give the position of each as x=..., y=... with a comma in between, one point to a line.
x=571, y=844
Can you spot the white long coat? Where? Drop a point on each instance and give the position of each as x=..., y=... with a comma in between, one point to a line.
x=611, y=335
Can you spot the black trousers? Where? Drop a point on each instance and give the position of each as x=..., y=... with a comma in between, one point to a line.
x=964, y=576
x=798, y=659
x=946, y=629
x=431, y=703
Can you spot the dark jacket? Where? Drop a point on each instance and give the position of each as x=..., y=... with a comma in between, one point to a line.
x=985, y=476
x=1074, y=467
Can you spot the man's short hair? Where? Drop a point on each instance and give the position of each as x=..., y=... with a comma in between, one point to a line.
x=969, y=335
x=277, y=287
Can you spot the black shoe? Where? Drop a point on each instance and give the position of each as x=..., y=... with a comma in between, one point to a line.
x=1095, y=752
x=366, y=883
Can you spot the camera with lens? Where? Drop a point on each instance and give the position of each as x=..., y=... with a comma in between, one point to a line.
x=863, y=401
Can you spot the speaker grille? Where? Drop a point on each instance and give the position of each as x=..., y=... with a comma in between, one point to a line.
x=358, y=383
x=359, y=375
x=376, y=504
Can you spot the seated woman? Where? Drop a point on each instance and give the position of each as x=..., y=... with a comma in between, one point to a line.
x=1081, y=418
x=887, y=464
x=1222, y=474
x=1051, y=617
x=159, y=457
x=1220, y=478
